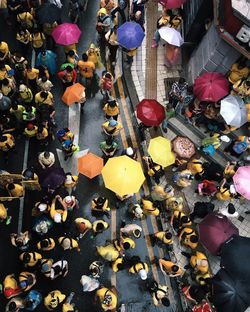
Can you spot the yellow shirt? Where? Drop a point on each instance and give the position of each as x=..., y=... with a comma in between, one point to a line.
x=40, y=100
x=237, y=74
x=138, y=266
x=33, y=73
x=4, y=47
x=111, y=111
x=4, y=73
x=53, y=299
x=100, y=293
x=167, y=266
x=8, y=143
x=37, y=40
x=161, y=236
x=112, y=130
x=194, y=261
x=86, y=68
x=185, y=236
x=149, y=208
x=195, y=166
x=25, y=17
x=223, y=194
x=3, y=212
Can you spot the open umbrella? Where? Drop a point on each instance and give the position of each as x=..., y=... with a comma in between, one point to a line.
x=183, y=147
x=214, y=230
x=5, y=102
x=235, y=255
x=242, y=180
x=90, y=165
x=123, y=175
x=73, y=94
x=48, y=13
x=150, y=112
x=130, y=35
x=234, y=111
x=172, y=4
x=211, y=86
x=52, y=177
x=171, y=36
x=66, y=34
x=160, y=150
x=229, y=294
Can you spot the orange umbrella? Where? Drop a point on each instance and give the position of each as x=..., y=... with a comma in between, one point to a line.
x=73, y=94
x=90, y=165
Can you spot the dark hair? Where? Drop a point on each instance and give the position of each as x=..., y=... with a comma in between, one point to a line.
x=231, y=209
x=109, y=140
x=57, y=269
x=69, y=69
x=168, y=235
x=44, y=78
x=26, y=257
x=44, y=94
x=44, y=243
x=101, y=200
x=29, y=303
x=46, y=154
x=99, y=227
x=12, y=306
x=182, y=80
x=71, y=53
x=10, y=186
x=5, y=81
x=175, y=268
x=184, y=219
x=126, y=245
x=137, y=232
x=108, y=75
x=120, y=266
x=165, y=301
x=84, y=57
x=112, y=103
x=193, y=239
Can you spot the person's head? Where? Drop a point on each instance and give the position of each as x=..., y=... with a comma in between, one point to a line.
x=22, y=88
x=138, y=15
x=2, y=65
x=184, y=219
x=44, y=78
x=137, y=233
x=36, y=30
x=109, y=140
x=143, y=274
x=68, y=200
x=165, y=301
x=46, y=154
x=182, y=80
x=43, y=53
x=102, y=12
x=193, y=239
x=69, y=69
x=57, y=269
x=26, y=257
x=112, y=103
x=112, y=123
x=84, y=57
x=168, y=235
x=28, y=173
x=247, y=83
x=12, y=306
x=120, y=266
x=5, y=82
x=57, y=217
x=30, y=126
x=40, y=129
x=99, y=227
x=29, y=303
x=175, y=268
x=101, y=200
x=230, y=208
x=10, y=186
x=126, y=245
x=42, y=207
x=129, y=151
x=44, y=243
x=241, y=64
x=71, y=53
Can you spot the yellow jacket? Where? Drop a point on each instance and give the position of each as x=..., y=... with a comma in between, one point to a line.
x=53, y=299
x=138, y=266
x=100, y=293
x=148, y=208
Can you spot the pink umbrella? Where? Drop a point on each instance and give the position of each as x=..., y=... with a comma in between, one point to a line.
x=172, y=4
x=214, y=230
x=211, y=87
x=66, y=34
x=242, y=181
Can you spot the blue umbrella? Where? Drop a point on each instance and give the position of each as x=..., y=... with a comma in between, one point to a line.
x=130, y=35
x=47, y=58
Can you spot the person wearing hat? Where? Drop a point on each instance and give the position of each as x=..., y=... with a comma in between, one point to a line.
x=25, y=94
x=41, y=207
x=26, y=280
x=112, y=127
x=107, y=298
x=30, y=259
x=20, y=240
x=15, y=190
x=111, y=109
x=68, y=243
x=30, y=130
x=189, y=238
x=170, y=268
x=89, y=283
x=69, y=148
x=165, y=237
x=99, y=226
x=70, y=203
x=99, y=206
x=46, y=244
x=96, y=268
x=94, y=55
x=42, y=225
x=56, y=214
x=138, y=267
x=150, y=208
x=159, y=293
x=130, y=152
x=103, y=24
x=130, y=230
x=59, y=268
x=82, y=226
x=53, y=300
x=45, y=266
x=46, y=159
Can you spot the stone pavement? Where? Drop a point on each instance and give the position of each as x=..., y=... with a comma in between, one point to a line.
x=144, y=77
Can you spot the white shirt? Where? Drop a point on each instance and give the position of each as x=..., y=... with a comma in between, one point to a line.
x=130, y=228
x=46, y=161
x=63, y=264
x=224, y=212
x=58, y=3
x=89, y=283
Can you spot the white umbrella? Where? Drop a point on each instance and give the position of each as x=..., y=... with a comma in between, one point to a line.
x=171, y=35
x=234, y=111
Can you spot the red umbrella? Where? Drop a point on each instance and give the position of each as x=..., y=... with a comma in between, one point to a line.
x=211, y=87
x=214, y=230
x=172, y=4
x=150, y=112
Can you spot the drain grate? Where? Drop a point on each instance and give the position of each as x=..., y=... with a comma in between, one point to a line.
x=168, y=84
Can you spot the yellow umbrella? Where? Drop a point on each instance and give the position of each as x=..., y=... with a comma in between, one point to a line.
x=160, y=151
x=123, y=175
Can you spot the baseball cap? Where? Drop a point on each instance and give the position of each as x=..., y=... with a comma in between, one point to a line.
x=102, y=11
x=143, y=274
x=68, y=199
x=112, y=123
x=22, y=88
x=42, y=207
x=57, y=217
x=129, y=151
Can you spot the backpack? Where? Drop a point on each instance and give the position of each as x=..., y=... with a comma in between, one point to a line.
x=240, y=147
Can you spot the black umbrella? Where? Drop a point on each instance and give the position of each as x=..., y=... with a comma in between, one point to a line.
x=230, y=295
x=5, y=102
x=235, y=257
x=48, y=13
x=52, y=178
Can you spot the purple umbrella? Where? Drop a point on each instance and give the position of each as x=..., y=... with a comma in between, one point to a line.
x=214, y=230
x=52, y=178
x=130, y=35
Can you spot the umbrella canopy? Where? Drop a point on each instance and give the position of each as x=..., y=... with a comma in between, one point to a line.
x=183, y=147
x=150, y=112
x=52, y=177
x=234, y=111
x=229, y=295
x=171, y=36
x=90, y=165
x=5, y=102
x=48, y=13
x=130, y=35
x=211, y=87
x=214, y=230
x=123, y=175
x=172, y=4
x=66, y=34
x=73, y=94
x=242, y=180
x=235, y=255
x=160, y=151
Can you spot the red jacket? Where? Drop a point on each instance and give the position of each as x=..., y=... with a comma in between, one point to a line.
x=67, y=76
